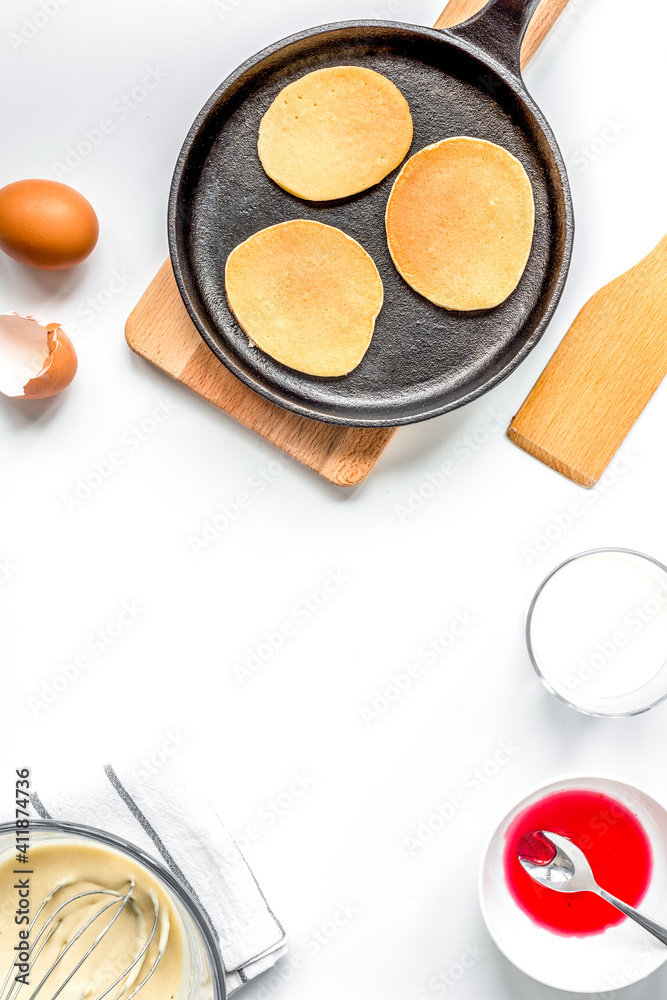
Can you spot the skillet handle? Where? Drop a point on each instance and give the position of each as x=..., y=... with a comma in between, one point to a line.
x=501, y=25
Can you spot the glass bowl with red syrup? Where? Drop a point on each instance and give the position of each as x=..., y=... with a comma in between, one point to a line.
x=576, y=941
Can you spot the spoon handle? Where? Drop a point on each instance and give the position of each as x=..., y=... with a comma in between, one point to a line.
x=657, y=930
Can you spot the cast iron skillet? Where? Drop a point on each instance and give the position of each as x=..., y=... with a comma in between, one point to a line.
x=423, y=360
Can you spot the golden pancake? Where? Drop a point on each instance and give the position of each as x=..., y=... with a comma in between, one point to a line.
x=460, y=222
x=306, y=294
x=334, y=132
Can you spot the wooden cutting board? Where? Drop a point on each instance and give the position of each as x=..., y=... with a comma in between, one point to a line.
x=607, y=367
x=160, y=330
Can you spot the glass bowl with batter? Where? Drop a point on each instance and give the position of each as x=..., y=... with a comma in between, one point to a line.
x=104, y=921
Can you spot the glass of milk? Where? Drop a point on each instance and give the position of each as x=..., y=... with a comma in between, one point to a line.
x=597, y=632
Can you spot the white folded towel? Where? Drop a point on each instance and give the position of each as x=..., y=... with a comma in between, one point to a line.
x=184, y=833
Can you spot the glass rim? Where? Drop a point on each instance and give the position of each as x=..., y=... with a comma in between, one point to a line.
x=155, y=867
x=531, y=651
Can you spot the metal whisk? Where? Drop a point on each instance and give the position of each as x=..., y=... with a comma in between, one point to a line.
x=50, y=984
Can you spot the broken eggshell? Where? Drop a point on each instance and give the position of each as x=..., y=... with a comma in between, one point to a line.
x=36, y=359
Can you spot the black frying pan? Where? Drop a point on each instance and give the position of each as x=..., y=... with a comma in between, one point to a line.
x=423, y=360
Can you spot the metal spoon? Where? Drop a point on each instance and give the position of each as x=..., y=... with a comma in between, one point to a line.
x=569, y=871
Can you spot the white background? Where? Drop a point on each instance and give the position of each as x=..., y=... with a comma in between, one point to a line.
x=470, y=548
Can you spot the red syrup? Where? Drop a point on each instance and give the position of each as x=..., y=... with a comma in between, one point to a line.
x=614, y=843
x=537, y=848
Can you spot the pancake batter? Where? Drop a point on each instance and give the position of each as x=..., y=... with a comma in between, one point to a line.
x=131, y=894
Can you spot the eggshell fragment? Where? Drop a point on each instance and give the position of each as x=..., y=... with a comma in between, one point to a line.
x=36, y=359
x=46, y=224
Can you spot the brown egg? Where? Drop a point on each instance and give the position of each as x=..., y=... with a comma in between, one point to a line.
x=46, y=224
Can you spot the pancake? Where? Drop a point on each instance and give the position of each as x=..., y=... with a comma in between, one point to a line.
x=306, y=294
x=460, y=221
x=334, y=132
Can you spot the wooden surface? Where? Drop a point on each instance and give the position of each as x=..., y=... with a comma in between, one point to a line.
x=609, y=364
x=160, y=330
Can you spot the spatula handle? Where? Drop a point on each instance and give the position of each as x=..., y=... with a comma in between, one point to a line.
x=543, y=21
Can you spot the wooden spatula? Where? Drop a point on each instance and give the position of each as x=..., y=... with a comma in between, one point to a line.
x=609, y=364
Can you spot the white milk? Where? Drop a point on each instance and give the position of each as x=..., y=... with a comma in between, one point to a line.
x=598, y=631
